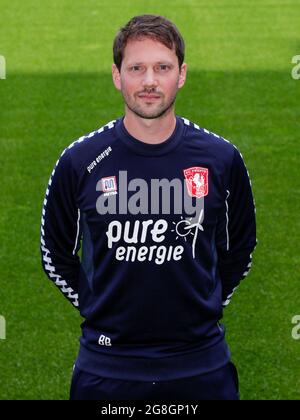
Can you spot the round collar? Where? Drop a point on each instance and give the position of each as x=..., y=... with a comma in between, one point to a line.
x=142, y=148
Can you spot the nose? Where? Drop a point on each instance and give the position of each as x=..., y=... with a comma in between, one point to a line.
x=149, y=79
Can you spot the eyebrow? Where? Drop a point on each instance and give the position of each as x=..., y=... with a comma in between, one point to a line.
x=158, y=62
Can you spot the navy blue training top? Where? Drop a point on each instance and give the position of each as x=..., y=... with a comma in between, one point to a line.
x=166, y=233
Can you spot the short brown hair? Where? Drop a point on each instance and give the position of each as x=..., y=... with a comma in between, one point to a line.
x=151, y=26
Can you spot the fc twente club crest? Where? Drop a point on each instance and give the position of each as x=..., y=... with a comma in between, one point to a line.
x=196, y=179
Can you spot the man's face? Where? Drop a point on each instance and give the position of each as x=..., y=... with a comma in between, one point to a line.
x=149, y=78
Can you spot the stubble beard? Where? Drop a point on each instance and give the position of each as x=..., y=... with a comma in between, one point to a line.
x=138, y=110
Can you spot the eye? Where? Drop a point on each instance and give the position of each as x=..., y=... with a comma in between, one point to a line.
x=135, y=68
x=164, y=67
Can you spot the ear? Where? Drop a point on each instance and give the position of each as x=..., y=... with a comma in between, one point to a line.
x=116, y=77
x=182, y=75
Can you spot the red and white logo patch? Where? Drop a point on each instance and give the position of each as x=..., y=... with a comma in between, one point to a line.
x=109, y=184
x=196, y=179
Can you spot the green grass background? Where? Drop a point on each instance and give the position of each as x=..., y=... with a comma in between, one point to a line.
x=58, y=87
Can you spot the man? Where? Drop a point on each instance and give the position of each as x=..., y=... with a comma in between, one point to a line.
x=166, y=215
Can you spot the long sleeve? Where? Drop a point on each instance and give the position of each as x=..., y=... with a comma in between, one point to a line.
x=236, y=230
x=149, y=289
x=60, y=229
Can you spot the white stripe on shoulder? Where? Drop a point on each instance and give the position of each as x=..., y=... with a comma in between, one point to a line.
x=105, y=127
x=192, y=124
x=186, y=121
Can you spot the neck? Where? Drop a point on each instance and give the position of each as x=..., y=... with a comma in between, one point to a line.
x=152, y=131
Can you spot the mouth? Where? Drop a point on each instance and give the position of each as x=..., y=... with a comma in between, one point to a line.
x=149, y=97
